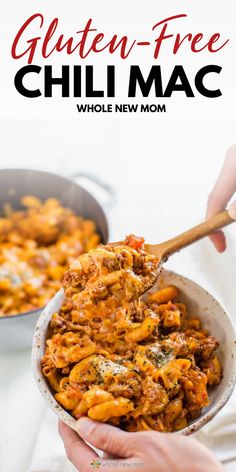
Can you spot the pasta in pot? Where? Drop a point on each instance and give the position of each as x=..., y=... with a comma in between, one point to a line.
x=141, y=363
x=37, y=245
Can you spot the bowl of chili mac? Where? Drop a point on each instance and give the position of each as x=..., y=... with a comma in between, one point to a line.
x=46, y=222
x=162, y=361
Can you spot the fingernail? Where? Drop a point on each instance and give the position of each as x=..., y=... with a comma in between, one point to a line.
x=232, y=210
x=84, y=426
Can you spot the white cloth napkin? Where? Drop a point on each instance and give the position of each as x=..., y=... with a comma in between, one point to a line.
x=28, y=428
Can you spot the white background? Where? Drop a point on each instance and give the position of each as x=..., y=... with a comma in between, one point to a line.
x=162, y=166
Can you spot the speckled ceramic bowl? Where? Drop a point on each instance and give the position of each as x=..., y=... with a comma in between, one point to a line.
x=199, y=302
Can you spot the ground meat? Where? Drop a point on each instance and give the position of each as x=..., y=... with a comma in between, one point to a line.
x=180, y=344
x=194, y=388
x=72, y=279
x=58, y=324
x=206, y=348
x=154, y=397
x=128, y=390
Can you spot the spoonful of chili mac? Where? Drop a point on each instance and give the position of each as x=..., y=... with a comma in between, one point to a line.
x=118, y=273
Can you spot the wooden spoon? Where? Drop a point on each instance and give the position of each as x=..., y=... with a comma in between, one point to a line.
x=163, y=250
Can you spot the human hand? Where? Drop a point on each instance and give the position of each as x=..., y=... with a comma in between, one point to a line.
x=145, y=451
x=222, y=192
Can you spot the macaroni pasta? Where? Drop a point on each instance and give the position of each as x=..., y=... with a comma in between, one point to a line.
x=37, y=244
x=138, y=363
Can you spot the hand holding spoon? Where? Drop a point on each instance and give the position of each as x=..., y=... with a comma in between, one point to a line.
x=163, y=250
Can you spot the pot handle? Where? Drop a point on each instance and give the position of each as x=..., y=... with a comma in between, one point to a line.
x=111, y=198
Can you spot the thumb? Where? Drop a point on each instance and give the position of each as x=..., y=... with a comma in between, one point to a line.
x=103, y=436
x=232, y=210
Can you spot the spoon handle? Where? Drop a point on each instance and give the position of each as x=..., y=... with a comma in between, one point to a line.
x=194, y=234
